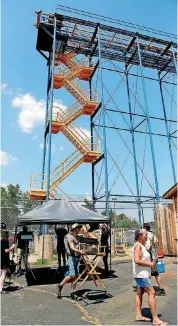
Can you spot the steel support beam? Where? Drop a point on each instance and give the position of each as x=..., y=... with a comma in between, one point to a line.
x=167, y=130
x=45, y=129
x=91, y=129
x=149, y=123
x=51, y=113
x=133, y=148
x=174, y=58
x=103, y=123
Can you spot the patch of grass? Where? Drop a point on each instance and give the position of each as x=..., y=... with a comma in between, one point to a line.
x=45, y=262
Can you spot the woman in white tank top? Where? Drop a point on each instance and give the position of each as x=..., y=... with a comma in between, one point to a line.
x=142, y=273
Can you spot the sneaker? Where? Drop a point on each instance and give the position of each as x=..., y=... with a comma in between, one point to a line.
x=135, y=288
x=162, y=292
x=59, y=291
x=72, y=295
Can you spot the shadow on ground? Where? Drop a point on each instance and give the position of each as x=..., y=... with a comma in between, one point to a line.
x=89, y=296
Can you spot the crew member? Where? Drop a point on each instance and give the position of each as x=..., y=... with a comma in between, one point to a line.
x=71, y=248
x=149, y=247
x=105, y=243
x=61, y=232
x=23, y=246
x=5, y=260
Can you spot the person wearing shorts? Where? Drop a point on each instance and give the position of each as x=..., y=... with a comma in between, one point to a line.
x=71, y=247
x=148, y=246
x=142, y=265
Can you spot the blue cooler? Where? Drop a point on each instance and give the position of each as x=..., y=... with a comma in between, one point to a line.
x=160, y=266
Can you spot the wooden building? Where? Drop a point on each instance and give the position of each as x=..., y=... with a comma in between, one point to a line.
x=167, y=223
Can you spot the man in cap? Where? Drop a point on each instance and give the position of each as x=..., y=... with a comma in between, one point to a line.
x=71, y=247
x=105, y=243
x=149, y=247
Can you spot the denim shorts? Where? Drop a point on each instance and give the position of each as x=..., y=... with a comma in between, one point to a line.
x=143, y=282
x=72, y=266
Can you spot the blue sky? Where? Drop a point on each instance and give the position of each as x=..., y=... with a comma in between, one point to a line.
x=24, y=75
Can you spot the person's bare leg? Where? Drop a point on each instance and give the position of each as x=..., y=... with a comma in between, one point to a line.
x=158, y=281
x=2, y=278
x=60, y=286
x=139, y=297
x=152, y=304
x=66, y=280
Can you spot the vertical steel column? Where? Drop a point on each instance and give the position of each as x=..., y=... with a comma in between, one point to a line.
x=167, y=130
x=134, y=149
x=149, y=123
x=174, y=58
x=51, y=114
x=45, y=133
x=91, y=129
x=104, y=128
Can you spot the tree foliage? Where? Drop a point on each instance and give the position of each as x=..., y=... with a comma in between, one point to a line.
x=121, y=220
x=14, y=202
x=88, y=204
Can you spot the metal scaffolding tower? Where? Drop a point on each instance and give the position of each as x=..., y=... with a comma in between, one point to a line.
x=119, y=61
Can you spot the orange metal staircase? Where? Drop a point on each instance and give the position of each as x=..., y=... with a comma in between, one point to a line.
x=63, y=121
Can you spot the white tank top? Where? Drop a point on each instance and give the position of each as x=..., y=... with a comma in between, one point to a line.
x=141, y=271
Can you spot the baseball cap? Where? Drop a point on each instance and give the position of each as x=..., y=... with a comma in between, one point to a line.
x=76, y=226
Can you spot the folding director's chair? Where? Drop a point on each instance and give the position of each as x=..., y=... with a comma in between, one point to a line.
x=90, y=264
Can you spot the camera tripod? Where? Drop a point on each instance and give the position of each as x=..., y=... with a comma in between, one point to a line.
x=24, y=257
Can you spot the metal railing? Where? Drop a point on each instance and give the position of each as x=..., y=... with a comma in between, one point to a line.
x=36, y=181
x=78, y=135
x=65, y=165
x=64, y=115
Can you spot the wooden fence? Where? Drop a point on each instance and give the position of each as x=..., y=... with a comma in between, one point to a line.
x=166, y=223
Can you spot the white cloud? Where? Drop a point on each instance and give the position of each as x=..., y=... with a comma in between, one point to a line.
x=40, y=146
x=34, y=137
x=58, y=106
x=32, y=112
x=53, y=148
x=61, y=148
x=6, y=158
x=4, y=89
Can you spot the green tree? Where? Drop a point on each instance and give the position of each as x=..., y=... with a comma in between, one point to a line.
x=88, y=204
x=121, y=220
x=10, y=202
x=13, y=203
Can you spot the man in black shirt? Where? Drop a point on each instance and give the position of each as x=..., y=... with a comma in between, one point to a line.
x=23, y=247
x=61, y=232
x=104, y=242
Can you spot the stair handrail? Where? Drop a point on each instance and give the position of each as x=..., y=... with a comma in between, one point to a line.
x=80, y=88
x=54, y=190
x=65, y=164
x=63, y=115
x=53, y=170
x=79, y=131
x=73, y=89
x=41, y=180
x=90, y=143
x=78, y=84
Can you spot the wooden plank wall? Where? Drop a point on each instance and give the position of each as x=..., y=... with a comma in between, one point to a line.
x=166, y=228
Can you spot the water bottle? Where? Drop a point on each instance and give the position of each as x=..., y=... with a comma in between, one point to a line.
x=160, y=266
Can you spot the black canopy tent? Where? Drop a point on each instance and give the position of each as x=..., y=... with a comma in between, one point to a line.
x=61, y=212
